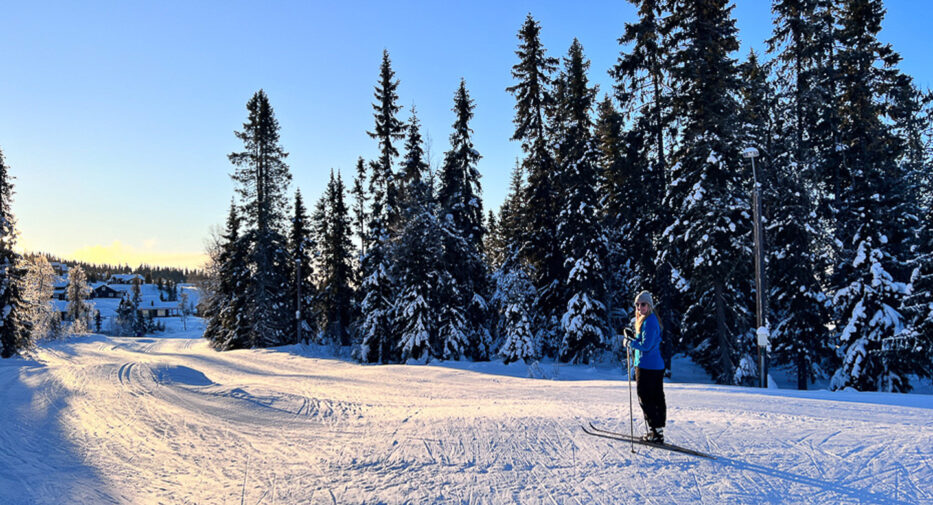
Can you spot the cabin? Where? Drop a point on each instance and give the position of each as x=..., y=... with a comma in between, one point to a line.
x=105, y=291
x=59, y=287
x=59, y=268
x=157, y=308
x=126, y=279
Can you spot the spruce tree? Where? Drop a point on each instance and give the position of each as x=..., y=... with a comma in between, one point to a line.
x=14, y=312
x=796, y=303
x=461, y=212
x=301, y=290
x=616, y=216
x=914, y=111
x=360, y=202
x=876, y=214
x=335, y=294
x=579, y=233
x=493, y=244
x=227, y=316
x=388, y=129
x=641, y=165
x=419, y=270
x=708, y=194
x=916, y=342
x=140, y=324
x=540, y=247
x=514, y=294
x=125, y=317
x=377, y=340
x=262, y=178
x=804, y=47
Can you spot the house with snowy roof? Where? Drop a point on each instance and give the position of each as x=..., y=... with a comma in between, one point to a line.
x=102, y=290
x=126, y=279
x=59, y=268
x=59, y=287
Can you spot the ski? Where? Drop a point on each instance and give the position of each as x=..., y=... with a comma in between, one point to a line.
x=612, y=435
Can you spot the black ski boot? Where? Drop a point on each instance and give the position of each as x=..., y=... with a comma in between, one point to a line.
x=654, y=436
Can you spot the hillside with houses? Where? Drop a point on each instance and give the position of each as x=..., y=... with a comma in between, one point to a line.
x=154, y=300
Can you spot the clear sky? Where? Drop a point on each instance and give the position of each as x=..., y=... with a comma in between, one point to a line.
x=116, y=118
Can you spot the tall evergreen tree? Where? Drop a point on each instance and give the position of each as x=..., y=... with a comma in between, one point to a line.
x=916, y=342
x=377, y=341
x=532, y=92
x=262, y=178
x=301, y=290
x=418, y=254
x=462, y=216
x=708, y=193
x=641, y=78
x=642, y=88
x=227, y=317
x=804, y=47
x=796, y=304
x=360, y=202
x=514, y=293
x=876, y=216
x=336, y=295
x=913, y=122
x=388, y=129
x=14, y=323
x=618, y=187
x=581, y=238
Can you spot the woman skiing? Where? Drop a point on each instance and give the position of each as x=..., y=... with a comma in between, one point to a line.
x=649, y=367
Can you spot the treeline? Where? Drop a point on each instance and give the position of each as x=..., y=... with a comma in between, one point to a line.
x=99, y=272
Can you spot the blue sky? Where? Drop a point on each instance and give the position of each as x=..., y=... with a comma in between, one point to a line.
x=117, y=116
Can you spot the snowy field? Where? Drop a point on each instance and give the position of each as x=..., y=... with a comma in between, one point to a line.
x=167, y=420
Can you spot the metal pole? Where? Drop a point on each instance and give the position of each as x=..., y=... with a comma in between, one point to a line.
x=298, y=296
x=631, y=415
x=758, y=267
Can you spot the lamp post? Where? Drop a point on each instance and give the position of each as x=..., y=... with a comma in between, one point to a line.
x=761, y=330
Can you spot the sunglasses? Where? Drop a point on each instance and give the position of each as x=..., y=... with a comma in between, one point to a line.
x=639, y=304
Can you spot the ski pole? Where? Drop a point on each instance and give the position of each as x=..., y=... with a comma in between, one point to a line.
x=628, y=373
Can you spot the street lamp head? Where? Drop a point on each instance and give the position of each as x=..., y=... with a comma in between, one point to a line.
x=750, y=152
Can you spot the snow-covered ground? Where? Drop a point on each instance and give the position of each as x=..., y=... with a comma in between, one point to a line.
x=167, y=420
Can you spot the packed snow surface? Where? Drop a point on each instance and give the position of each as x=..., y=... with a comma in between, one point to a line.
x=166, y=419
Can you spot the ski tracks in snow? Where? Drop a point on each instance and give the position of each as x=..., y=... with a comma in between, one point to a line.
x=169, y=420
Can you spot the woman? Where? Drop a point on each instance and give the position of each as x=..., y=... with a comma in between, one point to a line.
x=649, y=367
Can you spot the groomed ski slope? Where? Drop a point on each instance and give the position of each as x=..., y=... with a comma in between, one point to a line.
x=167, y=420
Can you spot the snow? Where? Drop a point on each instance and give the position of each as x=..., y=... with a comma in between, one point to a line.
x=167, y=420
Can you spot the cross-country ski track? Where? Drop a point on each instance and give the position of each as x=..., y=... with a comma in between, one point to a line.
x=165, y=419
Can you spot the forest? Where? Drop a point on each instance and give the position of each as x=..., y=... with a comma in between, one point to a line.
x=642, y=187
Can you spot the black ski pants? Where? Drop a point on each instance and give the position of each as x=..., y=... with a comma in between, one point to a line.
x=650, y=387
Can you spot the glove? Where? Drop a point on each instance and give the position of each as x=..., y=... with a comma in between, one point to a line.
x=628, y=337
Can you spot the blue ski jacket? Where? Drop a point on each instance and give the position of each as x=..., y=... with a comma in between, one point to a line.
x=647, y=344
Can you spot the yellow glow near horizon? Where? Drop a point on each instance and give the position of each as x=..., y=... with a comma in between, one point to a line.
x=118, y=253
